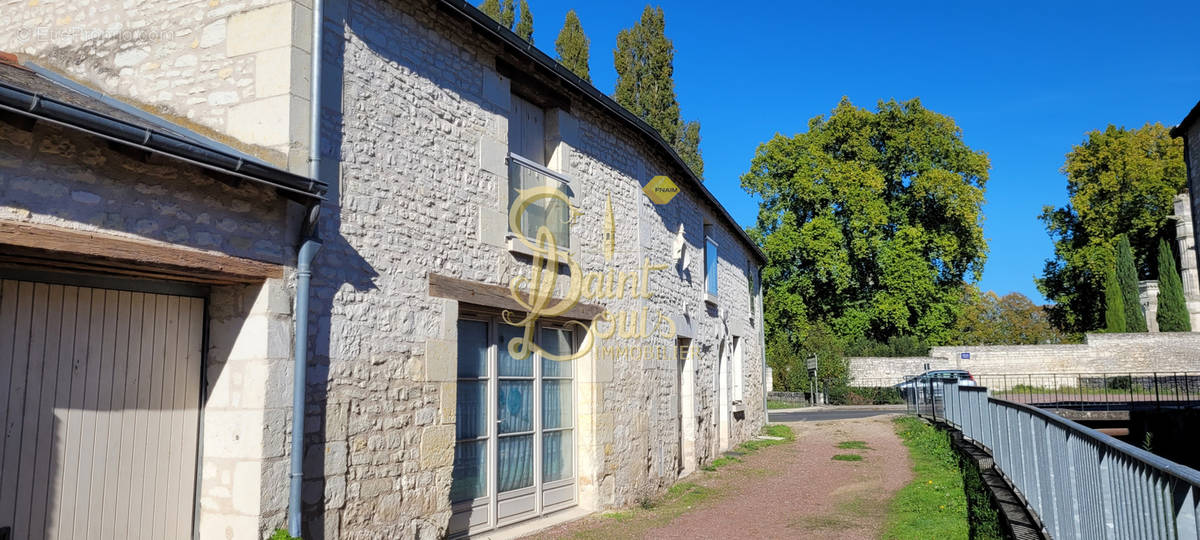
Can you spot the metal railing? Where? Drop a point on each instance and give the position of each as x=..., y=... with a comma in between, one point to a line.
x=1097, y=391
x=1081, y=483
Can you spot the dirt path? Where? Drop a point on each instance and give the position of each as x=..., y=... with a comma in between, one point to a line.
x=790, y=491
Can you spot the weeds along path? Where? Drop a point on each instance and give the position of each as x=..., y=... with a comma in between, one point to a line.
x=801, y=489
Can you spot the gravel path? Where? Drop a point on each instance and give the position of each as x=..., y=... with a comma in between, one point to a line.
x=789, y=491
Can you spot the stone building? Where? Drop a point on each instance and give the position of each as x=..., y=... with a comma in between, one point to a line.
x=424, y=416
x=1185, y=208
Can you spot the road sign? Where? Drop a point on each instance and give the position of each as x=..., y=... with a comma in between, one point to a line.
x=812, y=363
x=965, y=356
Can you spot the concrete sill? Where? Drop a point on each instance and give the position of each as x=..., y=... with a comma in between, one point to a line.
x=710, y=298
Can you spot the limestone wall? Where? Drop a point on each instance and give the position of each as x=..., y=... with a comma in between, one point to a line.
x=239, y=67
x=1101, y=353
x=55, y=176
x=423, y=136
x=415, y=135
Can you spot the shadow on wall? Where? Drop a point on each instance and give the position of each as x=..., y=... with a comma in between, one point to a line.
x=337, y=265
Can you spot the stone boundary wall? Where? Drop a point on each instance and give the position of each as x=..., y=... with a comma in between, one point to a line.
x=1100, y=353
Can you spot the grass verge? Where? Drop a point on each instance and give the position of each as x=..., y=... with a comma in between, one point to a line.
x=933, y=505
x=772, y=430
x=774, y=404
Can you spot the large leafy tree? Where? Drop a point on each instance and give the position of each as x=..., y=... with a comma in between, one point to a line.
x=1012, y=319
x=645, y=63
x=871, y=223
x=572, y=47
x=1172, y=313
x=1119, y=181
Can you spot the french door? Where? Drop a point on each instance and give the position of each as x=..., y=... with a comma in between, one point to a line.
x=515, y=438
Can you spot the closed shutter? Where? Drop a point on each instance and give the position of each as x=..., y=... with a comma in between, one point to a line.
x=99, y=403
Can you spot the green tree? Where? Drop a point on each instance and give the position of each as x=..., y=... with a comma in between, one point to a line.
x=1114, y=305
x=1119, y=181
x=1012, y=319
x=645, y=63
x=503, y=14
x=525, y=25
x=1127, y=275
x=1172, y=307
x=688, y=147
x=572, y=47
x=870, y=222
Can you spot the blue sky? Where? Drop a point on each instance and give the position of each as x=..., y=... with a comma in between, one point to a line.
x=1024, y=81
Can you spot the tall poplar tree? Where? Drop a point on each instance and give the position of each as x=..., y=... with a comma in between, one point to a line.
x=503, y=14
x=572, y=47
x=1172, y=307
x=644, y=59
x=1114, y=306
x=525, y=24
x=1127, y=275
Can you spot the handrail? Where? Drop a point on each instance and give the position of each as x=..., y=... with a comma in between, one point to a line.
x=1158, y=462
x=1078, y=482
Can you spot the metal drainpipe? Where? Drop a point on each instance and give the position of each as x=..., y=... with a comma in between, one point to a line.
x=762, y=344
x=308, y=251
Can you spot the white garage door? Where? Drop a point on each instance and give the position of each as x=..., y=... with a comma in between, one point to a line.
x=99, y=403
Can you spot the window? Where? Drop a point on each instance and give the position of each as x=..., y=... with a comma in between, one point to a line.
x=738, y=360
x=710, y=262
x=514, y=452
x=527, y=159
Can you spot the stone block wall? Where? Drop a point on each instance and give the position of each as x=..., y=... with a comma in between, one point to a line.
x=1101, y=353
x=423, y=136
x=236, y=67
x=55, y=176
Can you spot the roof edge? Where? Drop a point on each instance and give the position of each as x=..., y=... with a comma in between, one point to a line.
x=28, y=103
x=521, y=47
x=1192, y=116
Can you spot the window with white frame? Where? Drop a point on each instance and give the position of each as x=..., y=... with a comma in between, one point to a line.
x=514, y=452
x=710, y=261
x=527, y=168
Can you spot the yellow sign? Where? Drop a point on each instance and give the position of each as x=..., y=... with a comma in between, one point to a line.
x=661, y=189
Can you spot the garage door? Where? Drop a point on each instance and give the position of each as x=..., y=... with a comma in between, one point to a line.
x=99, y=399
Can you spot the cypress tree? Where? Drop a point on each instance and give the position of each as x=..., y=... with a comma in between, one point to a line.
x=572, y=46
x=491, y=8
x=525, y=25
x=1114, y=305
x=1135, y=320
x=508, y=14
x=644, y=59
x=688, y=146
x=1172, y=308
x=503, y=14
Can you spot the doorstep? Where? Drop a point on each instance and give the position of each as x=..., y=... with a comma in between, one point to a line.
x=526, y=528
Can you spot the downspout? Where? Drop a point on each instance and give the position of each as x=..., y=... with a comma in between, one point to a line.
x=762, y=343
x=310, y=244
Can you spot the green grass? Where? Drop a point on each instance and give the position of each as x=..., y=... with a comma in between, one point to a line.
x=774, y=404
x=933, y=505
x=753, y=445
x=847, y=457
x=650, y=513
x=1067, y=391
x=853, y=445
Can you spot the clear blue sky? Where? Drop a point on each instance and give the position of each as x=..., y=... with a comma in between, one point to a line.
x=1024, y=81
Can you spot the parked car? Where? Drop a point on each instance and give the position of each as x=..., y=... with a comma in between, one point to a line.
x=921, y=385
